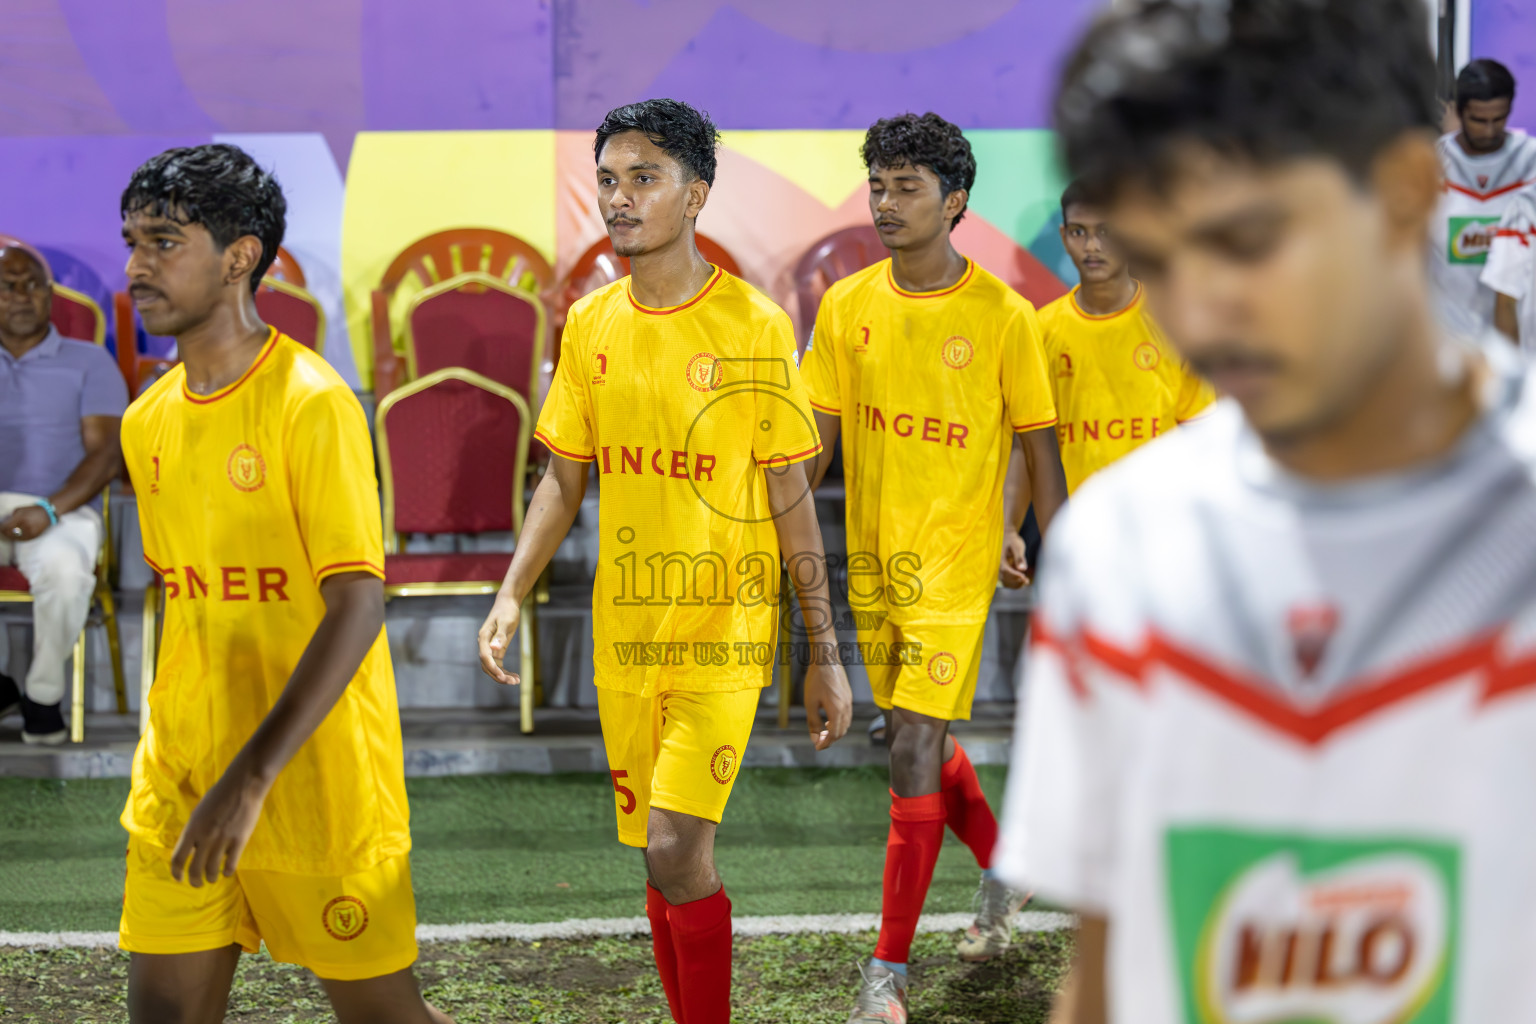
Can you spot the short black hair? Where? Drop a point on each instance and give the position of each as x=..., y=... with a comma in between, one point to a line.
x=683, y=133
x=1484, y=79
x=218, y=186
x=908, y=140
x=1077, y=193
x=1259, y=80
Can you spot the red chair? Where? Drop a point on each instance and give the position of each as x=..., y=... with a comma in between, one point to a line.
x=285, y=268
x=453, y=452
x=292, y=310
x=834, y=257
x=435, y=259
x=480, y=323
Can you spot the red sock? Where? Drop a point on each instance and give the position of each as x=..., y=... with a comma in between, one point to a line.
x=701, y=935
x=661, y=943
x=917, y=830
x=965, y=807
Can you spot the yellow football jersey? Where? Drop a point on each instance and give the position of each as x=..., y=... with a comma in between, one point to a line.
x=683, y=410
x=1118, y=383
x=930, y=387
x=248, y=498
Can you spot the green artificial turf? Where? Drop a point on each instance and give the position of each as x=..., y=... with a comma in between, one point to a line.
x=513, y=848
x=777, y=979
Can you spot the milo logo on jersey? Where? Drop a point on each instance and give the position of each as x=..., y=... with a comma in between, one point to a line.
x=1289, y=929
x=1470, y=238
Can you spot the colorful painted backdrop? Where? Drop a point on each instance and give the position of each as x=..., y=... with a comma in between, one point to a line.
x=388, y=119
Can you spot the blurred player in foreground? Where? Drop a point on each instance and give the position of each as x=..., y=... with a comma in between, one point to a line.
x=1116, y=382
x=680, y=383
x=927, y=366
x=268, y=801
x=1276, y=746
x=1485, y=163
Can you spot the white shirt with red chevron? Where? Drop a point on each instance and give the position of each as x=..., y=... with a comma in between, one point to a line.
x=1511, y=266
x=1283, y=735
x=1477, y=190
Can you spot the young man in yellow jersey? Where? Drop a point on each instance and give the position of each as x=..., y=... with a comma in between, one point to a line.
x=268, y=800
x=678, y=385
x=1117, y=382
x=927, y=366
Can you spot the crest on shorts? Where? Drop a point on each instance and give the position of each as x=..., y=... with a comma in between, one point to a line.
x=1311, y=627
x=943, y=668
x=1146, y=356
x=723, y=764
x=344, y=918
x=704, y=372
x=246, y=468
x=957, y=352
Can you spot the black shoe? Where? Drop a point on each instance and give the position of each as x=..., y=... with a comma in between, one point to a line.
x=42, y=723
x=10, y=696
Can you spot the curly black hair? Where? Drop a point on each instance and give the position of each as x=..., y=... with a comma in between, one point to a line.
x=1259, y=80
x=218, y=186
x=908, y=140
x=683, y=133
x=1484, y=79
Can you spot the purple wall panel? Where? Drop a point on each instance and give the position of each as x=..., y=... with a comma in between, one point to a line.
x=1506, y=31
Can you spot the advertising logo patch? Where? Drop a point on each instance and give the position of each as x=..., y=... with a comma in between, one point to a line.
x=1284, y=929
x=1470, y=238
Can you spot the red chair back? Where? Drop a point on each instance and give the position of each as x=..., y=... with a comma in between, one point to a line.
x=285, y=268
x=480, y=323
x=77, y=316
x=445, y=254
x=453, y=448
x=293, y=311
x=833, y=258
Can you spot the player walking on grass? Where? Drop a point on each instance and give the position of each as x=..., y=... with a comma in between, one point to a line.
x=927, y=366
x=1116, y=382
x=1276, y=742
x=678, y=385
x=268, y=800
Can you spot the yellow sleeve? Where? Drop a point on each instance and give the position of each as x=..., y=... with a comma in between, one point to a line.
x=1195, y=396
x=786, y=428
x=334, y=486
x=819, y=365
x=1026, y=385
x=565, y=422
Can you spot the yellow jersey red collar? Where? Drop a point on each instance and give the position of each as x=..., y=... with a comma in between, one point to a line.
x=1130, y=307
x=709, y=286
x=965, y=279
x=229, y=389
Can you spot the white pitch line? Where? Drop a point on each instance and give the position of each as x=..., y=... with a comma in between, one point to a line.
x=591, y=927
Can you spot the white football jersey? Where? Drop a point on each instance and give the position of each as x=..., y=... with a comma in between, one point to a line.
x=1476, y=192
x=1283, y=735
x=1511, y=267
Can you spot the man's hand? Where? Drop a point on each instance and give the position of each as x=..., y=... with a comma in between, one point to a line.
x=1013, y=573
x=26, y=523
x=220, y=826
x=500, y=626
x=827, y=696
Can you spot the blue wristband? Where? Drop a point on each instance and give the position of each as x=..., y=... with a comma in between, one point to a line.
x=53, y=513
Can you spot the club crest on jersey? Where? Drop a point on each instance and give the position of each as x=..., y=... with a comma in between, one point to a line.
x=246, y=468
x=1311, y=627
x=600, y=368
x=957, y=352
x=1146, y=356
x=704, y=372
x=722, y=766
x=1309, y=929
x=943, y=668
x=345, y=918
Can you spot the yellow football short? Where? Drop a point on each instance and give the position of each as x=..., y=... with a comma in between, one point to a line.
x=675, y=751
x=937, y=678
x=345, y=928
